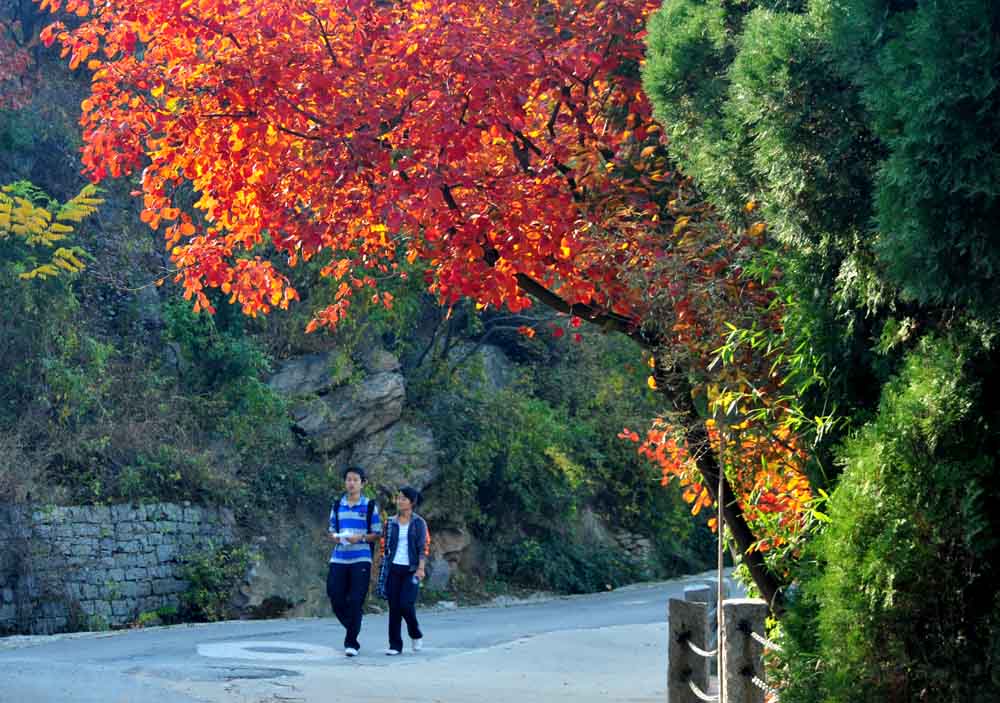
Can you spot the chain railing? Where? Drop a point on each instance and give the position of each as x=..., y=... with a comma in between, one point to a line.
x=739, y=653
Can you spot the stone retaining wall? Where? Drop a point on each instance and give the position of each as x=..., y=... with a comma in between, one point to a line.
x=77, y=568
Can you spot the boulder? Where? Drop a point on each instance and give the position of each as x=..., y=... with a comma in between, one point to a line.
x=378, y=360
x=345, y=414
x=449, y=542
x=172, y=359
x=453, y=550
x=315, y=374
x=483, y=366
x=438, y=574
x=477, y=560
x=403, y=454
x=149, y=308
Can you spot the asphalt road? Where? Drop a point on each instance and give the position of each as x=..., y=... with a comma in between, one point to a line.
x=600, y=647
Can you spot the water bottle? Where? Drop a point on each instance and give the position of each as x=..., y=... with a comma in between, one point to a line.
x=415, y=580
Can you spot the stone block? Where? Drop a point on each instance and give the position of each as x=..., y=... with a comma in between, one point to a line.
x=744, y=655
x=53, y=609
x=687, y=623
x=130, y=590
x=166, y=552
x=88, y=529
x=164, y=587
x=156, y=512
x=136, y=574
x=160, y=572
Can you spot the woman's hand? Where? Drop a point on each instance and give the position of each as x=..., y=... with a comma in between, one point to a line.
x=420, y=573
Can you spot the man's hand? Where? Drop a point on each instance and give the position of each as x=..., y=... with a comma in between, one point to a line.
x=420, y=573
x=354, y=539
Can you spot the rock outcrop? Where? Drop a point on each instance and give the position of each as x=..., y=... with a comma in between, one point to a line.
x=352, y=411
x=403, y=454
x=313, y=374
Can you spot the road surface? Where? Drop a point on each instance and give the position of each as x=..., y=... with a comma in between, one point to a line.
x=599, y=647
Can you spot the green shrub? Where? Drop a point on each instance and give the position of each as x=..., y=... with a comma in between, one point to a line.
x=903, y=601
x=566, y=565
x=213, y=577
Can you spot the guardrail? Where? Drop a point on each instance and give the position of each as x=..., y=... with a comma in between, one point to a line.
x=690, y=651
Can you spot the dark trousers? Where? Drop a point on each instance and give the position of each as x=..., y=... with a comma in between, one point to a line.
x=402, y=594
x=347, y=587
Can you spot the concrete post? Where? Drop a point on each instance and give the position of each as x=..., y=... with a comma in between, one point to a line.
x=707, y=594
x=686, y=621
x=742, y=654
x=699, y=594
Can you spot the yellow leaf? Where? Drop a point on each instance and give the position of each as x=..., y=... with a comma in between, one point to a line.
x=157, y=91
x=651, y=382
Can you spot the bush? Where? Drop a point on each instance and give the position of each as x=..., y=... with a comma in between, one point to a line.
x=902, y=603
x=566, y=565
x=213, y=577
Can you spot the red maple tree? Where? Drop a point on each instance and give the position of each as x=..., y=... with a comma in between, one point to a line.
x=506, y=145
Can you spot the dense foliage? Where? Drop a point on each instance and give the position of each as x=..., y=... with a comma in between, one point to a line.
x=530, y=171
x=115, y=390
x=865, y=131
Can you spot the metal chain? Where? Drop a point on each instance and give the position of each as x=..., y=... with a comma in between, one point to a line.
x=701, y=694
x=701, y=652
x=764, y=687
x=766, y=642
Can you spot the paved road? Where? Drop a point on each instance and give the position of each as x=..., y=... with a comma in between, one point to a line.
x=601, y=647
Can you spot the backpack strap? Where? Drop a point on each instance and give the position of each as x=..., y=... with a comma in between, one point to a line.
x=368, y=517
x=336, y=514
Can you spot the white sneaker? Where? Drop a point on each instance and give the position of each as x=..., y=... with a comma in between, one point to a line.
x=350, y=651
x=392, y=652
x=418, y=644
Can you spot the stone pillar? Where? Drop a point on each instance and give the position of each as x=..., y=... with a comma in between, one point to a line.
x=707, y=594
x=743, y=654
x=686, y=621
x=699, y=594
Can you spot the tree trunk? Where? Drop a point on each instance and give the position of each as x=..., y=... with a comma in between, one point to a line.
x=679, y=394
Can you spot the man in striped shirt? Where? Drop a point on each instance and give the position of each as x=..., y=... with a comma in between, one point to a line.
x=354, y=525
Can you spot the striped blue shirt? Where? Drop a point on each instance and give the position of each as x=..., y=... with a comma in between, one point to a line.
x=353, y=519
